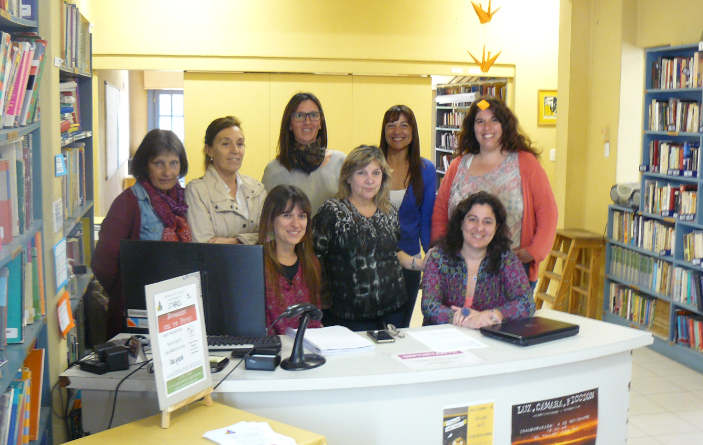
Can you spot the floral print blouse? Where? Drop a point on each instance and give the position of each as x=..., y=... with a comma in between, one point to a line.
x=444, y=285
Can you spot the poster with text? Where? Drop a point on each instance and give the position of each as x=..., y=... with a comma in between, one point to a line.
x=571, y=419
x=177, y=331
x=468, y=424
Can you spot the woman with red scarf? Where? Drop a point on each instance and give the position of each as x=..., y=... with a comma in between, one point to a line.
x=152, y=209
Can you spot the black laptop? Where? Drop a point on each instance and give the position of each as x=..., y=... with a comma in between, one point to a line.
x=530, y=331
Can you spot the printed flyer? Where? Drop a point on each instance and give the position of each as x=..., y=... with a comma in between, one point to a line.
x=571, y=419
x=468, y=425
x=180, y=338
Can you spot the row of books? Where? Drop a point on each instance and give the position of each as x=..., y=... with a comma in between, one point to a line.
x=448, y=141
x=646, y=233
x=689, y=330
x=77, y=249
x=675, y=200
x=22, y=60
x=73, y=183
x=20, y=404
x=485, y=89
x=452, y=119
x=674, y=158
x=678, y=72
x=687, y=287
x=693, y=246
x=632, y=305
x=22, y=298
x=643, y=271
x=16, y=209
x=675, y=115
x=75, y=39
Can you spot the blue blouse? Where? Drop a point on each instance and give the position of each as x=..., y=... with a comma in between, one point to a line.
x=416, y=218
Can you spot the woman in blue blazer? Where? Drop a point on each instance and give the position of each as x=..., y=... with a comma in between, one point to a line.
x=413, y=188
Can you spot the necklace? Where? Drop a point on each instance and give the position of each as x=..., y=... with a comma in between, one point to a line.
x=475, y=276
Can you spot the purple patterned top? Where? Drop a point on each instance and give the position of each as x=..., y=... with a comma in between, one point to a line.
x=444, y=285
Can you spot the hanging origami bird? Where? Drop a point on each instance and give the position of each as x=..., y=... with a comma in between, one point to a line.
x=484, y=16
x=484, y=64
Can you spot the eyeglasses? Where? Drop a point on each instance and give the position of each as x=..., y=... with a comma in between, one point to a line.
x=313, y=115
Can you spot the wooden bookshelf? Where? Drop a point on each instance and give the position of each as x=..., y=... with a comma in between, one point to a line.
x=452, y=102
x=651, y=255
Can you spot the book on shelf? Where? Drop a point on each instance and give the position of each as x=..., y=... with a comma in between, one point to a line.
x=5, y=202
x=674, y=158
x=641, y=270
x=35, y=363
x=75, y=38
x=632, y=305
x=15, y=302
x=16, y=425
x=6, y=400
x=4, y=285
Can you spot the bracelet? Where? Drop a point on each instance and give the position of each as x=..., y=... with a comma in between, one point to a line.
x=412, y=266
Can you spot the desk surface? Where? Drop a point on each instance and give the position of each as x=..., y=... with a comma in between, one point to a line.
x=378, y=368
x=188, y=426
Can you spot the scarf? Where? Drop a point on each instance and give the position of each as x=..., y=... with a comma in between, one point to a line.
x=171, y=208
x=307, y=157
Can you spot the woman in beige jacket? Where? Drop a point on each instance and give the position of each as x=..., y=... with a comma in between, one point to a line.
x=224, y=206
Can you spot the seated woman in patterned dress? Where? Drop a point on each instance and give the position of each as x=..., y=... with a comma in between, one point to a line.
x=292, y=269
x=473, y=278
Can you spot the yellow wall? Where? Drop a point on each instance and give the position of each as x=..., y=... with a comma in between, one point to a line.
x=353, y=106
x=372, y=37
x=137, y=111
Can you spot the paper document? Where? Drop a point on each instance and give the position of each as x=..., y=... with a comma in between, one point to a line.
x=248, y=433
x=333, y=340
x=450, y=338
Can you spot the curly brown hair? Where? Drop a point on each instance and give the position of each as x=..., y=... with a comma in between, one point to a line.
x=513, y=138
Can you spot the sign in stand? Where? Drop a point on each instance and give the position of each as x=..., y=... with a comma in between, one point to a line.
x=179, y=343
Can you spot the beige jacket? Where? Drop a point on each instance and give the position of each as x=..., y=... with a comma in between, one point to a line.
x=212, y=212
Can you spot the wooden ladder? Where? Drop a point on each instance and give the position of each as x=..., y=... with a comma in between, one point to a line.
x=580, y=252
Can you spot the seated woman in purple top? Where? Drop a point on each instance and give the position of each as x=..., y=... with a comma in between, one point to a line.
x=473, y=278
x=292, y=269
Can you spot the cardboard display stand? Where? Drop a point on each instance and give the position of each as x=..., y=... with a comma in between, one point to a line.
x=178, y=343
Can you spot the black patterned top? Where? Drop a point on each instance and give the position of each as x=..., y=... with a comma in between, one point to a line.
x=359, y=253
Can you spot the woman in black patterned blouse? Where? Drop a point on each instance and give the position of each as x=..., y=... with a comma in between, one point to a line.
x=355, y=235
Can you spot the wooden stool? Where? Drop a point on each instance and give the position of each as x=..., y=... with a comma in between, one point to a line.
x=580, y=252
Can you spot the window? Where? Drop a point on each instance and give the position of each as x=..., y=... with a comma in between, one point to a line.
x=166, y=111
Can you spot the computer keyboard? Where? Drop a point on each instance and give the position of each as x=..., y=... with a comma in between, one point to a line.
x=240, y=345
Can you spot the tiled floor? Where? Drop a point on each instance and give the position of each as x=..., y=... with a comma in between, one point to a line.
x=666, y=401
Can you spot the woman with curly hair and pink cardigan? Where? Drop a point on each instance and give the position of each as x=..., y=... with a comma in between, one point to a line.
x=494, y=155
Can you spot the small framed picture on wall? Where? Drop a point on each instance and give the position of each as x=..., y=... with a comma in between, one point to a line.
x=547, y=107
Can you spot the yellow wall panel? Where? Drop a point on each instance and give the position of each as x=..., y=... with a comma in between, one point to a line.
x=373, y=95
x=245, y=96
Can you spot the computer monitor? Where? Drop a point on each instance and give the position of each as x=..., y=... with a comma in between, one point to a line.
x=234, y=299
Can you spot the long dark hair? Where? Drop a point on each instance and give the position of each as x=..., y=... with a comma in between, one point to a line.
x=286, y=138
x=414, y=161
x=453, y=241
x=513, y=138
x=154, y=143
x=283, y=199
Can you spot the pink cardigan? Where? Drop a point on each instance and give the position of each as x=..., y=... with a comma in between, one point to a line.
x=539, y=217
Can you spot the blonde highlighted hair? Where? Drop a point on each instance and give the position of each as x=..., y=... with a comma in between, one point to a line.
x=360, y=158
